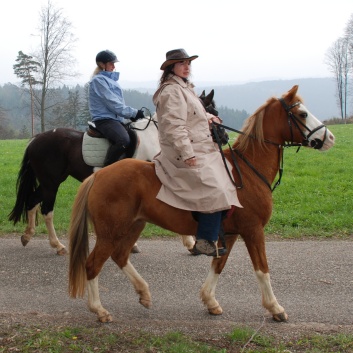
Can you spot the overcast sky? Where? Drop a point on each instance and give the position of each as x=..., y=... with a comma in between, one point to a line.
x=237, y=41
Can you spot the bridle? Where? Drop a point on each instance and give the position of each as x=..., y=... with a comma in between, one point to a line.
x=315, y=143
x=292, y=120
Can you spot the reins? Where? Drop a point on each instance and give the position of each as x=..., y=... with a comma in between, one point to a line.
x=150, y=119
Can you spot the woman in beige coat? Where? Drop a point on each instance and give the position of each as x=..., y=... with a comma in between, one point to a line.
x=190, y=166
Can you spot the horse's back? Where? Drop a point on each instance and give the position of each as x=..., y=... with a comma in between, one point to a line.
x=56, y=154
x=55, y=140
x=127, y=174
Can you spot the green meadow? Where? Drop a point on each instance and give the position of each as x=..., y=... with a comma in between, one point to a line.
x=315, y=197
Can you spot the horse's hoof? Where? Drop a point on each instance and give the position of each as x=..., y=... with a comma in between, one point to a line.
x=135, y=249
x=24, y=240
x=105, y=318
x=146, y=303
x=216, y=310
x=281, y=317
x=62, y=252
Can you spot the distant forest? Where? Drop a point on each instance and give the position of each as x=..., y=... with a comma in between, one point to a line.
x=68, y=107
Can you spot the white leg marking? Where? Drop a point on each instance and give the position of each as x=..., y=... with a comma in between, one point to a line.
x=269, y=300
x=53, y=239
x=188, y=241
x=94, y=302
x=140, y=285
x=31, y=225
x=208, y=291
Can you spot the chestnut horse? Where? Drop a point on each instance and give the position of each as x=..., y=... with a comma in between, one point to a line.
x=119, y=209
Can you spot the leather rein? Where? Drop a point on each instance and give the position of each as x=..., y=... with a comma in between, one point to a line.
x=292, y=120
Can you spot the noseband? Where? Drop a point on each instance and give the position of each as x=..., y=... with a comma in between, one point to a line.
x=315, y=143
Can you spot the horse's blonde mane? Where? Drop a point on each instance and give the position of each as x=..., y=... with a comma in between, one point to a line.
x=252, y=128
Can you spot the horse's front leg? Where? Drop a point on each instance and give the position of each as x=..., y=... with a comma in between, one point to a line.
x=208, y=289
x=94, y=302
x=255, y=244
x=31, y=225
x=53, y=239
x=188, y=241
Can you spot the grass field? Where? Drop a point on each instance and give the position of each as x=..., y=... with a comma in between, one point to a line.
x=315, y=197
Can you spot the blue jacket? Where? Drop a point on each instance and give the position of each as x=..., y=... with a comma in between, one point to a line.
x=106, y=100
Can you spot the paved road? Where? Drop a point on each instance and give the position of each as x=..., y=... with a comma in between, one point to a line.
x=312, y=280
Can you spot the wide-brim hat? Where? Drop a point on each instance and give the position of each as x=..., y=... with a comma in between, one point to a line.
x=175, y=55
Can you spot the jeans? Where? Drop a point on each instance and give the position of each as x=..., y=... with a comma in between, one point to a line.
x=209, y=225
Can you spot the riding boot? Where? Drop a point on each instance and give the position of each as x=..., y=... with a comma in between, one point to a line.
x=115, y=153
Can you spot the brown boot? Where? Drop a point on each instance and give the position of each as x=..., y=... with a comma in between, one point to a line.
x=208, y=248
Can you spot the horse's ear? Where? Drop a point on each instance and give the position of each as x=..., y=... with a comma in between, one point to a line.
x=202, y=96
x=209, y=98
x=292, y=92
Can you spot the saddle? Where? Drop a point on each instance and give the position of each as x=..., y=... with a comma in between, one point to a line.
x=95, y=145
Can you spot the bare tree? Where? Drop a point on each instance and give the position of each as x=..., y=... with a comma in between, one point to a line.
x=349, y=30
x=349, y=36
x=54, y=56
x=339, y=61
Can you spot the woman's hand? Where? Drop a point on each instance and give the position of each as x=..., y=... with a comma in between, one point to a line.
x=215, y=119
x=191, y=162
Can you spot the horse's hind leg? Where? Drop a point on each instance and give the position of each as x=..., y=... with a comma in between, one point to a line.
x=31, y=225
x=256, y=248
x=49, y=192
x=121, y=257
x=53, y=239
x=94, y=302
x=94, y=264
x=208, y=289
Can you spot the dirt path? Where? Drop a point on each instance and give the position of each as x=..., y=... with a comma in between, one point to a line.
x=312, y=280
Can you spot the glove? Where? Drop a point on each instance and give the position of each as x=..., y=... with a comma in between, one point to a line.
x=221, y=133
x=138, y=116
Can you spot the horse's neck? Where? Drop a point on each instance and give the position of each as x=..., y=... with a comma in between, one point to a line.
x=265, y=159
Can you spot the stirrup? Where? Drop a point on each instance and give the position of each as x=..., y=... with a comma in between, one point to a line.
x=219, y=251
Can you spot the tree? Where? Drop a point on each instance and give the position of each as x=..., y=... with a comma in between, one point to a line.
x=68, y=114
x=339, y=60
x=25, y=70
x=54, y=56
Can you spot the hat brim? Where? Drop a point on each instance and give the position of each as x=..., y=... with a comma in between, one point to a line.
x=172, y=61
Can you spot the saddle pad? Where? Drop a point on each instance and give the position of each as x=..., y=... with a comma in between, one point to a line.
x=94, y=150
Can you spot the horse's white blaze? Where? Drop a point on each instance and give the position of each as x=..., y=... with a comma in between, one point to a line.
x=208, y=290
x=269, y=300
x=312, y=123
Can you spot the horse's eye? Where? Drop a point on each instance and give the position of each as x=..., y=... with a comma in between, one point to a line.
x=303, y=115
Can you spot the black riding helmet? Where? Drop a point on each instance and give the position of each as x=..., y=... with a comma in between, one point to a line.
x=106, y=56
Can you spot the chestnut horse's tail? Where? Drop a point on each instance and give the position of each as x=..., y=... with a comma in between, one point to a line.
x=79, y=242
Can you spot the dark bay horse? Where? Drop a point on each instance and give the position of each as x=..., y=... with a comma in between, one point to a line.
x=119, y=209
x=49, y=159
x=52, y=156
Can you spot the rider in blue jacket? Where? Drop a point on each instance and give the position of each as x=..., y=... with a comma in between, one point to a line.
x=107, y=106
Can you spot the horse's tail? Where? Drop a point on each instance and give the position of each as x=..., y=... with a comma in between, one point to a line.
x=79, y=242
x=26, y=185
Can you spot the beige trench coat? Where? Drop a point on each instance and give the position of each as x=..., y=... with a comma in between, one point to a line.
x=183, y=133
